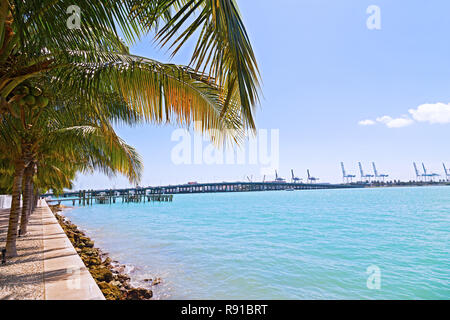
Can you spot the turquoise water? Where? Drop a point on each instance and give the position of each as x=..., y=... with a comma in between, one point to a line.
x=314, y=244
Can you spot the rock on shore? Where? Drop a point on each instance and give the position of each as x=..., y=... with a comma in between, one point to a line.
x=110, y=277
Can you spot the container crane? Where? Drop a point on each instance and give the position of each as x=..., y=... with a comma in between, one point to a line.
x=277, y=178
x=295, y=179
x=368, y=176
x=346, y=177
x=428, y=175
x=311, y=179
x=447, y=173
x=376, y=174
x=418, y=175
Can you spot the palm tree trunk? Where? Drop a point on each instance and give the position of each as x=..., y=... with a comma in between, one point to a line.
x=11, y=250
x=26, y=207
x=22, y=193
x=32, y=197
x=36, y=197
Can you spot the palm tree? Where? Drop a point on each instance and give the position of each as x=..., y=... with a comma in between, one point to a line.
x=36, y=40
x=220, y=89
x=62, y=139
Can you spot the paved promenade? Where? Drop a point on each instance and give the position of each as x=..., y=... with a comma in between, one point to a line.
x=48, y=267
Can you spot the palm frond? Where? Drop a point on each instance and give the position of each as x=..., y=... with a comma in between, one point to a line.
x=160, y=93
x=223, y=50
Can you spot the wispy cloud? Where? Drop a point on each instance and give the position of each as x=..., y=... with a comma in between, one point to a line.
x=367, y=122
x=429, y=112
x=395, y=122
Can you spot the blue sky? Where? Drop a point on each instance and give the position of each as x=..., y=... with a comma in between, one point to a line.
x=323, y=72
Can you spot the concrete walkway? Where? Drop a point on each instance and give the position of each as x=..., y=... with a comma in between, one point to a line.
x=63, y=275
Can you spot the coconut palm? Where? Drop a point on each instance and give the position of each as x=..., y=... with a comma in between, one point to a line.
x=35, y=40
x=218, y=91
x=60, y=139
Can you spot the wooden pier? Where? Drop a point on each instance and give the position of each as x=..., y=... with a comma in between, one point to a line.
x=89, y=197
x=161, y=198
x=166, y=193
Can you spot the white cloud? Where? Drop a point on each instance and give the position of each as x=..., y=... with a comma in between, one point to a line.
x=395, y=122
x=429, y=112
x=432, y=113
x=367, y=122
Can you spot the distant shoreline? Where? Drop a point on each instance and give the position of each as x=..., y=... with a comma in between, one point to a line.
x=408, y=184
x=143, y=194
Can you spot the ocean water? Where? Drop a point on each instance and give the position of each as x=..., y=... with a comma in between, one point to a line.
x=315, y=244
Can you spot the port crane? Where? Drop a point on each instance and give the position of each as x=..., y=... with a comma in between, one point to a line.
x=346, y=177
x=428, y=175
x=295, y=179
x=418, y=175
x=311, y=179
x=277, y=178
x=447, y=173
x=378, y=175
x=368, y=176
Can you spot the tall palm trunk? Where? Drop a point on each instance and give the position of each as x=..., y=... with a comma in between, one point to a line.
x=14, y=214
x=35, y=197
x=26, y=206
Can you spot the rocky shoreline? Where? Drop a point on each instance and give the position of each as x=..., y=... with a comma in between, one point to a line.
x=109, y=275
